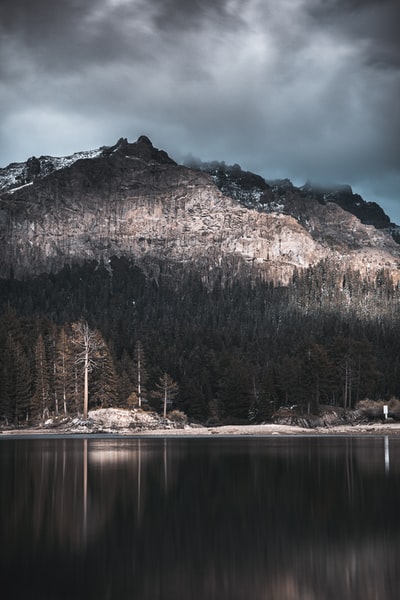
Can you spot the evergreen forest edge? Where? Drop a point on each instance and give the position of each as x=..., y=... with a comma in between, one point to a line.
x=236, y=350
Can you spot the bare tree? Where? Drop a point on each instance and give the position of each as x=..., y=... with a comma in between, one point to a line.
x=141, y=372
x=139, y=351
x=167, y=390
x=88, y=343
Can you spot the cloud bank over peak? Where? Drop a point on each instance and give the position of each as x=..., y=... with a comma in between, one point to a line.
x=299, y=88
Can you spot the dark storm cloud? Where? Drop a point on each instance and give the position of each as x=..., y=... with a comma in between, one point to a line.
x=178, y=14
x=298, y=88
x=373, y=21
x=372, y=27
x=63, y=36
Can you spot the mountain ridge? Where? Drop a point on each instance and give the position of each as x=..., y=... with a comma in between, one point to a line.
x=133, y=200
x=251, y=295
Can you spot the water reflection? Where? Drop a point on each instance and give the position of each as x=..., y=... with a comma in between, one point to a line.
x=283, y=519
x=387, y=455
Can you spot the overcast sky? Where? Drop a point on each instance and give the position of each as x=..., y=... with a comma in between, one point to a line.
x=305, y=89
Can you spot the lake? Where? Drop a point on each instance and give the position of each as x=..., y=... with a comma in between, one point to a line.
x=274, y=518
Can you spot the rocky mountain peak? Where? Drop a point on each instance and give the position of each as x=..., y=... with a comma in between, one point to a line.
x=143, y=139
x=281, y=195
x=133, y=200
x=18, y=175
x=369, y=213
x=142, y=149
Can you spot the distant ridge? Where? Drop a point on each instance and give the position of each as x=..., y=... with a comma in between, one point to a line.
x=133, y=200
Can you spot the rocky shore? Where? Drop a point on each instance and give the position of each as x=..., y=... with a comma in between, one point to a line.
x=135, y=422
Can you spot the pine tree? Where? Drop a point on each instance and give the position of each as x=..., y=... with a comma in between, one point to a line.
x=19, y=380
x=104, y=387
x=15, y=374
x=65, y=372
x=41, y=398
x=23, y=386
x=7, y=384
x=52, y=351
x=125, y=379
x=236, y=389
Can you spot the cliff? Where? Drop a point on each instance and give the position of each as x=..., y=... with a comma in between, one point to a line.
x=133, y=200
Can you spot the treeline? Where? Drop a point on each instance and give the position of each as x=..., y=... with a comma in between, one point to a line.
x=224, y=352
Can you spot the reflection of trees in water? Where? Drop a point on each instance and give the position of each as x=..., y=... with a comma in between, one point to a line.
x=69, y=489
x=352, y=572
x=177, y=519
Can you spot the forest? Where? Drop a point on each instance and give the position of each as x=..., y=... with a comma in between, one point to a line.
x=231, y=352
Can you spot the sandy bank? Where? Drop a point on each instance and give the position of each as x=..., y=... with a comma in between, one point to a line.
x=377, y=429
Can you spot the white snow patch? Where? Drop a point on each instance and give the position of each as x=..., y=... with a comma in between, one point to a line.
x=15, y=173
x=20, y=187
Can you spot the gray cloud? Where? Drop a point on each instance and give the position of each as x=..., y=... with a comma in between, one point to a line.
x=372, y=21
x=299, y=88
x=180, y=14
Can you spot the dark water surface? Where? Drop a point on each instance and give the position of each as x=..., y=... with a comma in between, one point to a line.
x=243, y=518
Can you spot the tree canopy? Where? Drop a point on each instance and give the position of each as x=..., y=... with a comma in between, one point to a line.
x=236, y=351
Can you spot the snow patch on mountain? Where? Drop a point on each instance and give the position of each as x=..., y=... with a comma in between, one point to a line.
x=135, y=201
x=17, y=175
x=20, y=187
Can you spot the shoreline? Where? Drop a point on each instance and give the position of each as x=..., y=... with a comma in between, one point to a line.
x=266, y=430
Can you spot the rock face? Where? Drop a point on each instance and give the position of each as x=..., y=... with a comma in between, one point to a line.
x=133, y=200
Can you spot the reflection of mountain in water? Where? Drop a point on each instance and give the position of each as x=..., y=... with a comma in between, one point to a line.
x=148, y=519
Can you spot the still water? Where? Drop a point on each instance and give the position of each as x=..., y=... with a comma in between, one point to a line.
x=227, y=519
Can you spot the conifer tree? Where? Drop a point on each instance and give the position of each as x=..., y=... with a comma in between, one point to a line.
x=65, y=369
x=19, y=380
x=7, y=385
x=15, y=374
x=236, y=389
x=104, y=387
x=52, y=352
x=125, y=379
x=41, y=398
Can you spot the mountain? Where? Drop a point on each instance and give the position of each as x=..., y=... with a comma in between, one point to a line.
x=252, y=189
x=133, y=200
x=252, y=299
